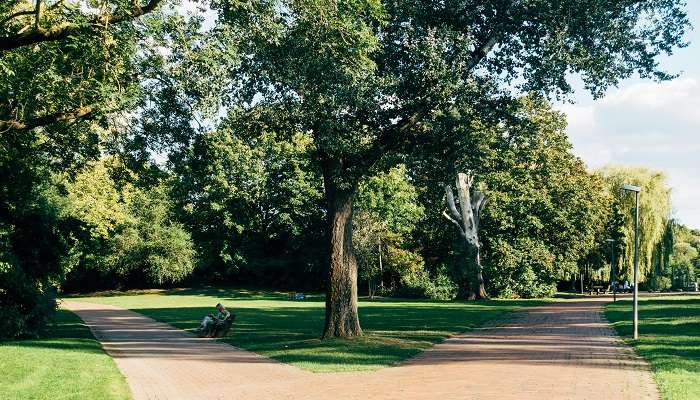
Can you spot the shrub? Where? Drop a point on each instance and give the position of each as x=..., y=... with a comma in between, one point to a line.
x=31, y=246
x=659, y=283
x=418, y=284
x=25, y=304
x=524, y=270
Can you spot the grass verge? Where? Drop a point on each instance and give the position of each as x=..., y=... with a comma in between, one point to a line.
x=269, y=324
x=669, y=337
x=66, y=364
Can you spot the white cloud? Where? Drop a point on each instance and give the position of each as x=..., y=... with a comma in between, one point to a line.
x=649, y=94
x=645, y=123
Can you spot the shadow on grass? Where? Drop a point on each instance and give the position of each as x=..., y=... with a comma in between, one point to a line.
x=669, y=331
x=65, y=332
x=393, y=330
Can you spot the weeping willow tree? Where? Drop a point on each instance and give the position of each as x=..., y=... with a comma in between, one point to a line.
x=654, y=215
x=662, y=274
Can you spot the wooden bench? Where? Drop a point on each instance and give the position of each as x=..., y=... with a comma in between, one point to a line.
x=219, y=328
x=598, y=289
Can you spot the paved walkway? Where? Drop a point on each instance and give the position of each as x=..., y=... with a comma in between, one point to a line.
x=559, y=351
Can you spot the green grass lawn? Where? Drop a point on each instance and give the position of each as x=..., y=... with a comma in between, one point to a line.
x=669, y=337
x=67, y=364
x=269, y=324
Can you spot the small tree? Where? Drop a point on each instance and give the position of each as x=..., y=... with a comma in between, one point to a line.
x=467, y=221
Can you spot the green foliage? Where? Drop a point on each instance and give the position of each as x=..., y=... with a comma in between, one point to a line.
x=150, y=248
x=31, y=241
x=684, y=261
x=126, y=233
x=25, y=303
x=417, y=283
x=526, y=268
x=88, y=69
x=55, y=90
x=659, y=283
x=392, y=198
x=544, y=211
x=387, y=213
x=252, y=205
x=654, y=214
x=94, y=200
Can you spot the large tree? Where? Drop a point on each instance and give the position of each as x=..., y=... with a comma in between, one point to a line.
x=64, y=66
x=366, y=78
x=654, y=213
x=544, y=212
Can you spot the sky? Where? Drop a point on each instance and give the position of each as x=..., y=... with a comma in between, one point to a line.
x=650, y=124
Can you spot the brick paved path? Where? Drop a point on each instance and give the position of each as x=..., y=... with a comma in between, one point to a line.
x=559, y=351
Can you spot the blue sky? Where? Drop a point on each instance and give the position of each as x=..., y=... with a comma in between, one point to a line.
x=656, y=125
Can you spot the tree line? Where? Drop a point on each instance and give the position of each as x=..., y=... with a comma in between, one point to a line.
x=292, y=143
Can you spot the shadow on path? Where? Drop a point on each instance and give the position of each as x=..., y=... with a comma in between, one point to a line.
x=558, y=351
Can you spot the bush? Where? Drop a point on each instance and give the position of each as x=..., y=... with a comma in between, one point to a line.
x=25, y=304
x=442, y=287
x=525, y=270
x=31, y=246
x=148, y=247
x=418, y=284
x=658, y=283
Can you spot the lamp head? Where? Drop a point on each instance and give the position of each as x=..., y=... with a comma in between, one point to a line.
x=632, y=188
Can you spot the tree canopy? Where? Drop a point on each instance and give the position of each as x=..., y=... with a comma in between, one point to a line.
x=235, y=141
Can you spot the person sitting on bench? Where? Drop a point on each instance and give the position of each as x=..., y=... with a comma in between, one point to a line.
x=218, y=325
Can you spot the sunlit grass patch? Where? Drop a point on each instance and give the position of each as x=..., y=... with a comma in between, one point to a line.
x=289, y=331
x=66, y=364
x=669, y=337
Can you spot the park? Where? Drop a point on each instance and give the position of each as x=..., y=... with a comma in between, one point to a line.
x=349, y=199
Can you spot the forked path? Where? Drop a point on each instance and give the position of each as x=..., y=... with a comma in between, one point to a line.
x=563, y=350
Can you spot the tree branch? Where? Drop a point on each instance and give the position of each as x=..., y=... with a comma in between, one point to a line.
x=15, y=15
x=59, y=31
x=28, y=12
x=408, y=122
x=38, y=13
x=452, y=207
x=478, y=201
x=482, y=51
x=449, y=218
x=17, y=125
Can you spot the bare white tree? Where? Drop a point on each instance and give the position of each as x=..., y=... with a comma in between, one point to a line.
x=466, y=219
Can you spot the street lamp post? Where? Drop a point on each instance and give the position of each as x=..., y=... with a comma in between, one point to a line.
x=635, y=317
x=612, y=267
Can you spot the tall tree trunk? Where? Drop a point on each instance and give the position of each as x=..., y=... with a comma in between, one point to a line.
x=342, y=319
x=467, y=219
x=471, y=280
x=480, y=290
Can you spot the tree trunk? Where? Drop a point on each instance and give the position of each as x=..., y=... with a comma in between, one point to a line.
x=467, y=219
x=341, y=294
x=480, y=292
x=471, y=284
